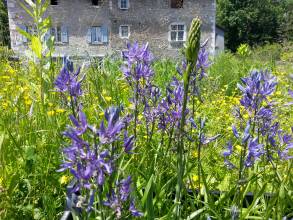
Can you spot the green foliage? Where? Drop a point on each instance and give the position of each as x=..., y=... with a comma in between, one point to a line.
x=286, y=28
x=4, y=27
x=252, y=22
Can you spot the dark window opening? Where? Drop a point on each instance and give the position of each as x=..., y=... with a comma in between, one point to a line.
x=95, y=2
x=176, y=3
x=54, y=2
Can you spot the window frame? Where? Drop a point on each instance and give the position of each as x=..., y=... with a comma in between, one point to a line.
x=55, y=28
x=97, y=29
x=98, y=3
x=128, y=31
x=177, y=31
x=176, y=2
x=120, y=4
x=56, y=1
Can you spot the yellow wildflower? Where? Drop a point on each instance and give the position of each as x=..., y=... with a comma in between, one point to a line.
x=28, y=102
x=140, y=117
x=60, y=110
x=101, y=114
x=51, y=113
x=238, y=148
x=108, y=98
x=145, y=137
x=131, y=106
x=50, y=104
x=278, y=93
x=64, y=179
x=195, y=178
x=195, y=154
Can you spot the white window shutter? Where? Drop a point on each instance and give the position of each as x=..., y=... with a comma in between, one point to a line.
x=105, y=34
x=89, y=35
x=64, y=34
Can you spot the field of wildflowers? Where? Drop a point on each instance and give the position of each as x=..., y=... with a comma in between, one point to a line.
x=201, y=138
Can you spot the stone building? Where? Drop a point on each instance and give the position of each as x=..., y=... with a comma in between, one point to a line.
x=99, y=27
x=220, y=40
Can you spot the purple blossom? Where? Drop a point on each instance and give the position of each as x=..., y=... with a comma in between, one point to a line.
x=255, y=150
x=128, y=142
x=138, y=63
x=117, y=200
x=256, y=88
x=134, y=211
x=229, y=151
x=114, y=126
x=68, y=81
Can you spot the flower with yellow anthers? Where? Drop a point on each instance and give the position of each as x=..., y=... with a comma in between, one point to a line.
x=64, y=179
x=238, y=148
x=140, y=117
x=28, y=102
x=60, y=110
x=51, y=113
x=131, y=106
x=101, y=114
x=195, y=178
x=108, y=98
x=278, y=93
x=195, y=154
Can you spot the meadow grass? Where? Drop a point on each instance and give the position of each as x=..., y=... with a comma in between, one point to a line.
x=31, y=140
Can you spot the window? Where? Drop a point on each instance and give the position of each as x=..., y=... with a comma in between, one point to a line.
x=177, y=32
x=56, y=33
x=60, y=34
x=97, y=35
x=123, y=4
x=176, y=3
x=124, y=31
x=54, y=2
x=95, y=2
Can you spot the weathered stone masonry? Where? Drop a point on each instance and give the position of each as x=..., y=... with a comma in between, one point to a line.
x=148, y=21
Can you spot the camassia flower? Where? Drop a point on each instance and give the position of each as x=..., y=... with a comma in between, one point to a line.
x=138, y=64
x=114, y=126
x=117, y=200
x=170, y=107
x=256, y=88
x=91, y=160
x=68, y=81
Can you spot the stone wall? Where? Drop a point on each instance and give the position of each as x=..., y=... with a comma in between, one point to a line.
x=149, y=21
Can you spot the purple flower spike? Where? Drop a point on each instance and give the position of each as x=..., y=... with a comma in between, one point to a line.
x=67, y=81
x=229, y=151
x=134, y=211
x=255, y=150
x=114, y=126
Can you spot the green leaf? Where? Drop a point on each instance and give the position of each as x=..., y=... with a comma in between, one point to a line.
x=147, y=200
x=24, y=33
x=196, y=213
x=36, y=47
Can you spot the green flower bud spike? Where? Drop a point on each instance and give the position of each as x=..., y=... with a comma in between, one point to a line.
x=193, y=41
x=191, y=53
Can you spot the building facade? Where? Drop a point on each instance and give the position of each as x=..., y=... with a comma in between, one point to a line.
x=99, y=27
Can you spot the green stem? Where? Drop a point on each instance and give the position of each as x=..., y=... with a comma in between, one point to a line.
x=180, y=145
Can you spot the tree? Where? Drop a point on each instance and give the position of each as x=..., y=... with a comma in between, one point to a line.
x=249, y=21
x=4, y=26
x=286, y=27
